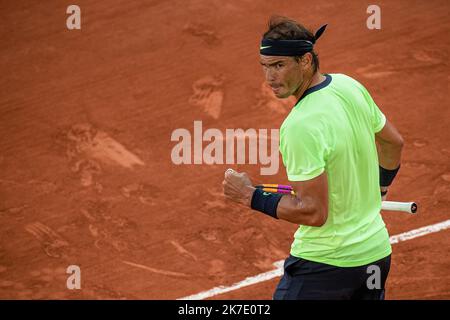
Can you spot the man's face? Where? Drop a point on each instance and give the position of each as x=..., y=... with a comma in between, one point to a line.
x=283, y=74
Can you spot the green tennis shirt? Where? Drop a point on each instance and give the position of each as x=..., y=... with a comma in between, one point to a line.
x=332, y=129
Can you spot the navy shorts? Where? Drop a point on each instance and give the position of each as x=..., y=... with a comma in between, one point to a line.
x=308, y=280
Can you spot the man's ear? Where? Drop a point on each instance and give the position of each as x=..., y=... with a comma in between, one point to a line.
x=306, y=61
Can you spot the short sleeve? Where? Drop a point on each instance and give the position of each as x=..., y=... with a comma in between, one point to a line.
x=304, y=150
x=378, y=119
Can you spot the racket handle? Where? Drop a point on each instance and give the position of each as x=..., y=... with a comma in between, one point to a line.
x=410, y=207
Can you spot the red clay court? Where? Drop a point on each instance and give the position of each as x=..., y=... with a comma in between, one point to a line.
x=86, y=118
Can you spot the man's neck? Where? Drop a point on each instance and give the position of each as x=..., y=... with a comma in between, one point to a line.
x=308, y=83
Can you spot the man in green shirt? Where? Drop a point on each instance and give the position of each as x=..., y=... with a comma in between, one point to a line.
x=328, y=146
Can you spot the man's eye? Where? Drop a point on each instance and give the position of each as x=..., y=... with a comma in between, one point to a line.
x=279, y=65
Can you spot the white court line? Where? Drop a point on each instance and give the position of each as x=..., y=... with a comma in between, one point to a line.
x=279, y=264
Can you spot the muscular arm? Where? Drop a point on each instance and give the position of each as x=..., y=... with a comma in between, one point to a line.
x=390, y=144
x=310, y=206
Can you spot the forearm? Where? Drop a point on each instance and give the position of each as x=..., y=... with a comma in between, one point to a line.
x=304, y=212
x=389, y=155
x=309, y=205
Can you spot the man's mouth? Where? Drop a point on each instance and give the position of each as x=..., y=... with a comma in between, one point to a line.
x=275, y=87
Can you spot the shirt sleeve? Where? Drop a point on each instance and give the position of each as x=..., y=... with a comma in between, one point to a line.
x=378, y=119
x=305, y=151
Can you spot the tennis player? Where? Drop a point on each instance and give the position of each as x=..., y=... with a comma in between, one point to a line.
x=329, y=147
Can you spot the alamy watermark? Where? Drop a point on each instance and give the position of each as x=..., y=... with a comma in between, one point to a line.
x=229, y=147
x=374, y=20
x=74, y=280
x=74, y=20
x=374, y=280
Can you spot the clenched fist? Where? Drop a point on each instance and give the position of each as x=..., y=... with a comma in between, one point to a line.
x=238, y=187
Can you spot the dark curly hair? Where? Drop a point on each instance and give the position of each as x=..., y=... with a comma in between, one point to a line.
x=284, y=28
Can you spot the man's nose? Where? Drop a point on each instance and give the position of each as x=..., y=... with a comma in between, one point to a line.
x=270, y=75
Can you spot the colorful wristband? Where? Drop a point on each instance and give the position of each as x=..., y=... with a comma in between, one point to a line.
x=266, y=202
